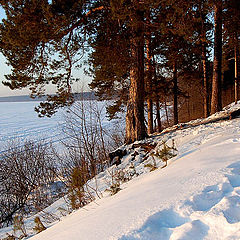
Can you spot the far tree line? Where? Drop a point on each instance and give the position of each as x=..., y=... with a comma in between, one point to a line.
x=139, y=51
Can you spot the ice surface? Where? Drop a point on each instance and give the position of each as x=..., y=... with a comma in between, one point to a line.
x=19, y=121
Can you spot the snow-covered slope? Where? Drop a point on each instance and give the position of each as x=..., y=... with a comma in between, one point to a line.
x=197, y=196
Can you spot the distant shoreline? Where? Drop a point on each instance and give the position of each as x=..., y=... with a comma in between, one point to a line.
x=27, y=98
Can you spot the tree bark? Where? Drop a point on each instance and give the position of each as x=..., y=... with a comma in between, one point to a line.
x=135, y=127
x=216, y=102
x=159, y=124
x=175, y=94
x=149, y=71
x=188, y=107
x=166, y=111
x=204, y=60
x=150, y=115
x=205, y=81
x=236, y=72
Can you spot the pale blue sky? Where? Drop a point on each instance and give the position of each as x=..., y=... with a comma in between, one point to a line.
x=4, y=69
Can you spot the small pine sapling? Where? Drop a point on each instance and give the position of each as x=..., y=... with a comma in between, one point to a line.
x=132, y=170
x=64, y=212
x=121, y=176
x=115, y=188
x=166, y=152
x=117, y=176
x=152, y=166
x=39, y=227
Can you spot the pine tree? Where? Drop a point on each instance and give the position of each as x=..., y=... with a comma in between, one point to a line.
x=109, y=60
x=216, y=102
x=139, y=52
x=231, y=36
x=179, y=49
x=55, y=39
x=204, y=26
x=40, y=47
x=149, y=75
x=135, y=126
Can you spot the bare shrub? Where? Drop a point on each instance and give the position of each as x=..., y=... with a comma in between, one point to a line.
x=87, y=144
x=89, y=137
x=23, y=171
x=18, y=225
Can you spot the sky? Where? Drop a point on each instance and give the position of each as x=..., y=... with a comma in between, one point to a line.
x=5, y=69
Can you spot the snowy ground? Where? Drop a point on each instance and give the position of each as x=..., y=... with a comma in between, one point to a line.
x=197, y=196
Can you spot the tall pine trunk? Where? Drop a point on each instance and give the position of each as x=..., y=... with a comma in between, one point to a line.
x=236, y=71
x=135, y=127
x=205, y=81
x=175, y=94
x=216, y=102
x=159, y=124
x=158, y=113
x=150, y=115
x=204, y=62
x=149, y=74
x=166, y=112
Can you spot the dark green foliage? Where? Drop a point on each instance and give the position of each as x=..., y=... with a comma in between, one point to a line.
x=231, y=20
x=109, y=63
x=40, y=47
x=115, y=188
x=110, y=59
x=231, y=35
x=151, y=166
x=165, y=152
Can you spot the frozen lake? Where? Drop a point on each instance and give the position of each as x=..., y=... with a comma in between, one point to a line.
x=18, y=120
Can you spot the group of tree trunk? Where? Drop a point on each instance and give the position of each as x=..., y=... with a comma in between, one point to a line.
x=139, y=51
